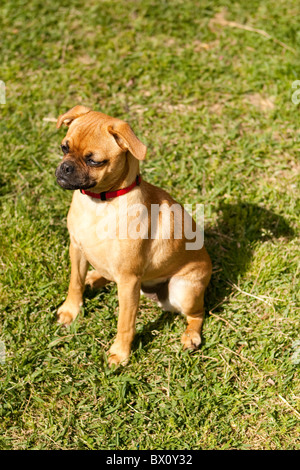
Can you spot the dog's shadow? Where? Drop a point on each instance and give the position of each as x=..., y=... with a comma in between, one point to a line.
x=230, y=243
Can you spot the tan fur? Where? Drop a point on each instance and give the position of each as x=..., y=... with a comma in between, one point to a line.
x=133, y=264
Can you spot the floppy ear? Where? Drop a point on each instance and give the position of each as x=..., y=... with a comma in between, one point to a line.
x=127, y=140
x=72, y=114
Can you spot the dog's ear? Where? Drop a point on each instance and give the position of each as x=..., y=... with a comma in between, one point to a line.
x=72, y=114
x=126, y=139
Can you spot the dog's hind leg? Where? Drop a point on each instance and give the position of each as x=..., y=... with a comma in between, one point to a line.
x=191, y=338
x=187, y=297
x=156, y=291
x=95, y=280
x=181, y=295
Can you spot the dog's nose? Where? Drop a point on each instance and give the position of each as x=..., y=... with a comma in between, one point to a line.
x=67, y=167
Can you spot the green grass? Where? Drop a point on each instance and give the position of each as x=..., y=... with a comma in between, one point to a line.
x=213, y=104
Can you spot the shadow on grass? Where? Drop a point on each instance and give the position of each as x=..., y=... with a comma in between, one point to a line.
x=91, y=293
x=231, y=242
x=145, y=336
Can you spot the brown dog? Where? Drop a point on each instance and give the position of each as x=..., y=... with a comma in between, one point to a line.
x=102, y=154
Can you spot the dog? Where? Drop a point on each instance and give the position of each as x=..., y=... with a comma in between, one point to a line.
x=101, y=157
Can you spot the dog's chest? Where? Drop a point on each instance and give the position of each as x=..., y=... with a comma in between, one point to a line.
x=92, y=227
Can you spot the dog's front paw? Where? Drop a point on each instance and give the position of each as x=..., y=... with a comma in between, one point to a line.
x=191, y=340
x=66, y=314
x=118, y=356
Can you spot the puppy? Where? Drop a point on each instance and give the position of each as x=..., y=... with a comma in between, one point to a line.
x=126, y=243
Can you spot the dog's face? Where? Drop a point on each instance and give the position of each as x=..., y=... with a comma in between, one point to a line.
x=95, y=150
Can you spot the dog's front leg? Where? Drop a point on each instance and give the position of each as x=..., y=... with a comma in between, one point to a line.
x=79, y=266
x=129, y=295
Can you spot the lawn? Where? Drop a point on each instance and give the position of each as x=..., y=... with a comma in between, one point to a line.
x=208, y=86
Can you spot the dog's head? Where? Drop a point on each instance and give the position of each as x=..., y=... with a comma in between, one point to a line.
x=98, y=150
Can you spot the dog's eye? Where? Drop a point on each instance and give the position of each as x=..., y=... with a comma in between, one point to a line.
x=91, y=162
x=65, y=148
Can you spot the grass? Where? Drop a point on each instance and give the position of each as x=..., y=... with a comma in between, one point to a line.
x=214, y=105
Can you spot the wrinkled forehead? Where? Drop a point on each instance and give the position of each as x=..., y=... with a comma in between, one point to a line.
x=86, y=131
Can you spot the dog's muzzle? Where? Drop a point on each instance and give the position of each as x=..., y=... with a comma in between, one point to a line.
x=64, y=174
x=68, y=177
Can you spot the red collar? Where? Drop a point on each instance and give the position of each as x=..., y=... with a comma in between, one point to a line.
x=111, y=194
